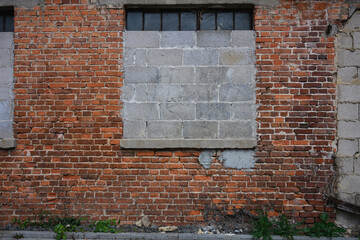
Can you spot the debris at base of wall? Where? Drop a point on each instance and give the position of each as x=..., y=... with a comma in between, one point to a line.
x=143, y=222
x=167, y=229
x=238, y=159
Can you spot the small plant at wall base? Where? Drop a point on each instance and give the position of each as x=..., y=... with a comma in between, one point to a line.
x=263, y=227
x=324, y=228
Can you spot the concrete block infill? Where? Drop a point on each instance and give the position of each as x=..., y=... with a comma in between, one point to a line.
x=177, y=39
x=213, y=38
x=142, y=39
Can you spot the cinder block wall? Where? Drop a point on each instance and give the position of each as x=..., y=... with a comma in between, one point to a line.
x=68, y=64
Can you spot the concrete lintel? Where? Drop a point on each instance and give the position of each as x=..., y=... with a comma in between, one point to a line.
x=21, y=3
x=268, y=3
x=7, y=143
x=188, y=143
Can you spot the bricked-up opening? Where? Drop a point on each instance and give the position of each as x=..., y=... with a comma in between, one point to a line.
x=188, y=19
x=6, y=19
x=189, y=89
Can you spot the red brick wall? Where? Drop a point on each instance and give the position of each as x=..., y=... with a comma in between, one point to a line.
x=68, y=73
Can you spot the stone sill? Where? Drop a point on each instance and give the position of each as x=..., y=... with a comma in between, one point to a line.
x=188, y=143
x=6, y=143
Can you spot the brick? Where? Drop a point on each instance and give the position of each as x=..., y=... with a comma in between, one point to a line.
x=164, y=57
x=164, y=129
x=177, y=39
x=213, y=111
x=236, y=57
x=236, y=129
x=201, y=57
x=213, y=38
x=347, y=74
x=134, y=129
x=142, y=39
x=200, y=129
x=236, y=92
x=141, y=75
x=177, y=75
x=140, y=111
x=348, y=111
x=244, y=39
x=177, y=111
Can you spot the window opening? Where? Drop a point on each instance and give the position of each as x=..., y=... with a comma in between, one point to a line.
x=6, y=20
x=188, y=19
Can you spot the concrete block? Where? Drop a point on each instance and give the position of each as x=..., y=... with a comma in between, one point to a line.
x=201, y=57
x=354, y=21
x=140, y=57
x=129, y=57
x=357, y=166
x=177, y=39
x=349, y=184
x=237, y=129
x=6, y=59
x=245, y=39
x=141, y=75
x=347, y=147
x=347, y=74
x=5, y=109
x=164, y=57
x=211, y=74
x=206, y=158
x=238, y=159
x=6, y=40
x=200, y=129
x=345, y=166
x=140, y=111
x=344, y=41
x=142, y=39
x=236, y=92
x=242, y=74
x=5, y=91
x=165, y=92
x=177, y=111
x=6, y=130
x=213, y=111
x=164, y=129
x=7, y=143
x=349, y=93
x=194, y=93
x=134, y=129
x=6, y=75
x=134, y=93
x=356, y=36
x=243, y=111
x=213, y=38
x=230, y=56
x=347, y=58
x=348, y=111
x=349, y=129
x=177, y=74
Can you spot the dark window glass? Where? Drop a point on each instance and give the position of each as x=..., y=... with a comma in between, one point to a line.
x=188, y=21
x=207, y=21
x=242, y=21
x=152, y=22
x=6, y=19
x=225, y=21
x=9, y=23
x=134, y=21
x=170, y=21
